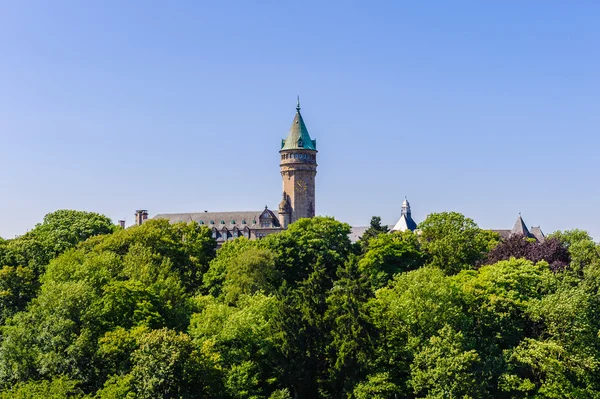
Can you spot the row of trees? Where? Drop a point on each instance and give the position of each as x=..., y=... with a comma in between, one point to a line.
x=155, y=311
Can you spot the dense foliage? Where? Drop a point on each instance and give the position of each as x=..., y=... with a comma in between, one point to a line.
x=92, y=311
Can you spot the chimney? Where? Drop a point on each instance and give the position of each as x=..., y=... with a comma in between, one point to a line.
x=141, y=215
x=122, y=224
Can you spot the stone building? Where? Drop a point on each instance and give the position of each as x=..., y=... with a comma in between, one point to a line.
x=298, y=166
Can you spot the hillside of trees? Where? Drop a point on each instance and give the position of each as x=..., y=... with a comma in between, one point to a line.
x=90, y=310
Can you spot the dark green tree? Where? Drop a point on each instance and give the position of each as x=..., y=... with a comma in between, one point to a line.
x=351, y=344
x=300, y=333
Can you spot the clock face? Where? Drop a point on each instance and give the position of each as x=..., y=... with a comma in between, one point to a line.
x=301, y=185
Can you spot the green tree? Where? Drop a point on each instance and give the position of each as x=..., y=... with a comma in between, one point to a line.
x=166, y=365
x=239, y=340
x=414, y=307
x=18, y=285
x=454, y=242
x=59, y=231
x=214, y=278
x=251, y=271
x=583, y=250
x=131, y=278
x=377, y=386
x=389, y=254
x=59, y=388
x=445, y=368
x=374, y=230
x=545, y=369
x=300, y=334
x=352, y=333
x=306, y=242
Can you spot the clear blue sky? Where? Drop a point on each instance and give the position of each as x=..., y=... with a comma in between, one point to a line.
x=489, y=108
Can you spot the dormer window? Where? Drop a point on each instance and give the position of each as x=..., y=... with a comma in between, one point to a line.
x=222, y=222
x=212, y=222
x=201, y=222
x=243, y=221
x=232, y=221
x=300, y=142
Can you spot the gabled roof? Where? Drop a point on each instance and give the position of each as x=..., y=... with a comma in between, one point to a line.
x=298, y=137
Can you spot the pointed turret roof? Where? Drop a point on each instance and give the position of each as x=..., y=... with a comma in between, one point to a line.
x=520, y=228
x=298, y=137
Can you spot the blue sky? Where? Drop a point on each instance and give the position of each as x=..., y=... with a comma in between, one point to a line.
x=486, y=108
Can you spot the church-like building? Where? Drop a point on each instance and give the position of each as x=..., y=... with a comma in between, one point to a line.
x=298, y=166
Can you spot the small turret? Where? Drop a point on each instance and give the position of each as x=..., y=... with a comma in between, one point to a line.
x=405, y=208
x=284, y=211
x=405, y=222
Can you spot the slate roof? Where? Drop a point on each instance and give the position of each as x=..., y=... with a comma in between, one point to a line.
x=537, y=233
x=356, y=232
x=504, y=233
x=520, y=228
x=298, y=137
x=250, y=219
x=405, y=222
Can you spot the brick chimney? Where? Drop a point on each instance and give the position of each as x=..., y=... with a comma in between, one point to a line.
x=141, y=215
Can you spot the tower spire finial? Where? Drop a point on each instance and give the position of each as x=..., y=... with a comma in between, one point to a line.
x=298, y=105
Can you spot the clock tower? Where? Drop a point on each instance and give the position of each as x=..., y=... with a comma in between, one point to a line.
x=298, y=169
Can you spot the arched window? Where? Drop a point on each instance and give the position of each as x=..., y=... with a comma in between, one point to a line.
x=232, y=221
x=243, y=221
x=222, y=222
x=201, y=222
x=212, y=222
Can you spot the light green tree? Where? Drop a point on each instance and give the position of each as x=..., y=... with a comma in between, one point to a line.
x=454, y=242
x=445, y=368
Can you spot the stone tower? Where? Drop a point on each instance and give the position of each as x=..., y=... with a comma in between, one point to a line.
x=298, y=169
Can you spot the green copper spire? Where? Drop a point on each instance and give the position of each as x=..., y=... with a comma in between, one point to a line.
x=298, y=137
